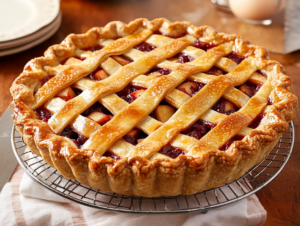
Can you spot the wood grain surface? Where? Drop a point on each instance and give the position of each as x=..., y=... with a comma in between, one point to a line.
x=281, y=198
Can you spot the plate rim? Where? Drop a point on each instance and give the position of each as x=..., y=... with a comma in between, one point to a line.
x=29, y=45
x=44, y=16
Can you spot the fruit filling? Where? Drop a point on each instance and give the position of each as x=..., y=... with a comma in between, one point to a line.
x=250, y=89
x=77, y=138
x=228, y=143
x=255, y=123
x=145, y=47
x=98, y=74
x=236, y=58
x=112, y=155
x=171, y=151
x=96, y=107
x=225, y=107
x=199, y=129
x=184, y=58
x=132, y=136
x=43, y=114
x=122, y=59
x=93, y=49
x=80, y=58
x=131, y=93
x=191, y=88
x=215, y=71
x=159, y=70
x=66, y=94
x=203, y=45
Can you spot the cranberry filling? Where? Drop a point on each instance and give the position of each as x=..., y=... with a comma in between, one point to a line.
x=92, y=74
x=203, y=45
x=130, y=139
x=78, y=139
x=162, y=71
x=193, y=90
x=250, y=89
x=43, y=114
x=228, y=143
x=260, y=72
x=45, y=79
x=215, y=71
x=236, y=58
x=80, y=58
x=255, y=123
x=222, y=106
x=171, y=152
x=127, y=93
x=145, y=47
x=93, y=48
x=96, y=107
x=112, y=155
x=184, y=58
x=199, y=129
x=269, y=101
x=77, y=91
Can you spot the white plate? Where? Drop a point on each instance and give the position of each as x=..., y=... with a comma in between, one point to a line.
x=29, y=45
x=23, y=17
x=29, y=38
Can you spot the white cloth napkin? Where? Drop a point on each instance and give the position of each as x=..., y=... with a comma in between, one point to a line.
x=25, y=202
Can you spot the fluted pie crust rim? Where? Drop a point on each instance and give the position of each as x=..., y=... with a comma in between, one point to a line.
x=135, y=175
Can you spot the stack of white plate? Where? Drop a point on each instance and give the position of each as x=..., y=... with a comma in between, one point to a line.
x=27, y=23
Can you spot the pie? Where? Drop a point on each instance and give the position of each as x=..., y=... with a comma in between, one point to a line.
x=152, y=108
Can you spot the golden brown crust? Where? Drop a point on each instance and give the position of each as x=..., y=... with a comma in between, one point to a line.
x=135, y=175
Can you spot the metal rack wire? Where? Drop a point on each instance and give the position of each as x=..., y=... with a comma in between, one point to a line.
x=255, y=179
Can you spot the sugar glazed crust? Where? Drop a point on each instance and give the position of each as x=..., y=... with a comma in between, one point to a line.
x=142, y=171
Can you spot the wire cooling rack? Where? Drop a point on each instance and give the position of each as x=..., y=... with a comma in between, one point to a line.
x=255, y=179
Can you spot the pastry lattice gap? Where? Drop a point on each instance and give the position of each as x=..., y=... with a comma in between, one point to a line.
x=104, y=110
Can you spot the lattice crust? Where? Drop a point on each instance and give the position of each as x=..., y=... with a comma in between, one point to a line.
x=183, y=77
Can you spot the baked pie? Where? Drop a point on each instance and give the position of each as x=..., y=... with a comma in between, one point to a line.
x=152, y=108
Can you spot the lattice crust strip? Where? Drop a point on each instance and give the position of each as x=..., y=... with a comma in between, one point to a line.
x=186, y=174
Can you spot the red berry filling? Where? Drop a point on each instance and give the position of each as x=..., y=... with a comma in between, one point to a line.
x=228, y=143
x=193, y=90
x=255, y=123
x=130, y=139
x=145, y=47
x=43, y=114
x=260, y=72
x=236, y=58
x=80, y=58
x=96, y=107
x=78, y=139
x=162, y=71
x=95, y=48
x=92, y=74
x=199, y=129
x=224, y=106
x=215, y=71
x=77, y=91
x=128, y=93
x=203, y=45
x=171, y=152
x=45, y=79
x=269, y=101
x=184, y=58
x=250, y=89
x=112, y=155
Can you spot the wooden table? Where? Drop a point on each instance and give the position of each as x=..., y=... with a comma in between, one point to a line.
x=281, y=198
